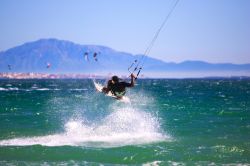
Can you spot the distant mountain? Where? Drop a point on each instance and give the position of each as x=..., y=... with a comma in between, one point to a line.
x=63, y=56
x=67, y=57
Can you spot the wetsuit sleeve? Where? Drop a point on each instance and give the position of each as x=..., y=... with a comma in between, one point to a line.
x=125, y=84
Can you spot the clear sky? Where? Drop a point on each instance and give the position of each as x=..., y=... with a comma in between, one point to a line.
x=209, y=30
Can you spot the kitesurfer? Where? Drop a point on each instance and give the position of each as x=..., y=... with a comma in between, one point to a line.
x=118, y=88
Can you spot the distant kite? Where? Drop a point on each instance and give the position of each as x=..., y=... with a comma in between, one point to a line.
x=9, y=67
x=48, y=65
x=95, y=56
x=86, y=57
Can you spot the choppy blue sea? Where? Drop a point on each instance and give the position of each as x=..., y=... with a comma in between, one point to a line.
x=167, y=122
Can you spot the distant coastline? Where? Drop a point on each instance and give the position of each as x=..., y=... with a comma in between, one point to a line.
x=32, y=75
x=45, y=76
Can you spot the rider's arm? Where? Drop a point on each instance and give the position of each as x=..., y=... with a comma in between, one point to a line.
x=132, y=84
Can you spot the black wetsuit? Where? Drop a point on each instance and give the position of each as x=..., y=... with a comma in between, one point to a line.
x=118, y=89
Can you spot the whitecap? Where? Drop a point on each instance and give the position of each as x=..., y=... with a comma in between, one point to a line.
x=43, y=89
x=78, y=89
x=15, y=88
x=3, y=89
x=56, y=89
x=34, y=86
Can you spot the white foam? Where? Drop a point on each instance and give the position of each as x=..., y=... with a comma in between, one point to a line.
x=9, y=89
x=43, y=89
x=34, y=86
x=56, y=89
x=40, y=89
x=3, y=89
x=13, y=88
x=84, y=89
x=122, y=127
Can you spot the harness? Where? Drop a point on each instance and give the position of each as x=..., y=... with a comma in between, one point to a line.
x=118, y=89
x=119, y=94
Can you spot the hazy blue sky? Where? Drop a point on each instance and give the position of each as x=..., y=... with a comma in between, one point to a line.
x=208, y=30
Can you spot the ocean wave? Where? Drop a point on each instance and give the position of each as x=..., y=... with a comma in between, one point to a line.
x=9, y=89
x=84, y=89
x=15, y=88
x=28, y=90
x=3, y=89
x=120, y=128
x=43, y=89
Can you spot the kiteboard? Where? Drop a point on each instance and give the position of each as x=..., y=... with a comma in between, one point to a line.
x=99, y=88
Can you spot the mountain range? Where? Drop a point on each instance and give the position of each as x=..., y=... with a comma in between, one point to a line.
x=60, y=56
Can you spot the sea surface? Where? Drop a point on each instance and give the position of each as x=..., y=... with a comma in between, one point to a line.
x=166, y=122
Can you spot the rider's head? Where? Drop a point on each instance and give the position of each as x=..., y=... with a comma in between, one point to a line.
x=115, y=79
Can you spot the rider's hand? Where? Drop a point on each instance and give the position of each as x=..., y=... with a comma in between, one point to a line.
x=133, y=76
